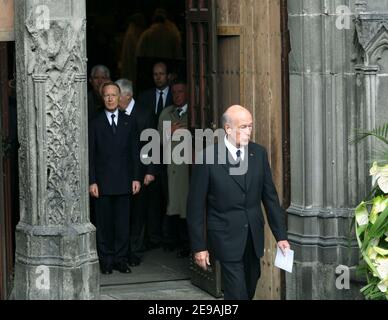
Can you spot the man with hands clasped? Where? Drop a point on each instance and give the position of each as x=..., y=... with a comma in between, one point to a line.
x=114, y=175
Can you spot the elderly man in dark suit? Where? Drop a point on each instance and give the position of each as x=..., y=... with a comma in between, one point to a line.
x=232, y=189
x=150, y=105
x=114, y=160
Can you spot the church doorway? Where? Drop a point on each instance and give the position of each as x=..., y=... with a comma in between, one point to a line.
x=121, y=36
x=9, y=200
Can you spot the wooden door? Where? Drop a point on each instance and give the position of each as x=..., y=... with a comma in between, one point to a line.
x=6, y=229
x=202, y=81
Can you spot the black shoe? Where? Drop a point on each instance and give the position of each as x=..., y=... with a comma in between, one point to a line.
x=106, y=270
x=122, y=267
x=134, y=260
x=183, y=253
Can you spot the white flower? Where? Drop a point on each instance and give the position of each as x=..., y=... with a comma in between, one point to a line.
x=379, y=205
x=380, y=174
x=383, y=183
x=383, y=286
x=362, y=215
x=371, y=254
x=382, y=268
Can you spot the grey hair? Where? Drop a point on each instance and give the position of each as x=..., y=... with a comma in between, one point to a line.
x=126, y=86
x=102, y=68
x=225, y=119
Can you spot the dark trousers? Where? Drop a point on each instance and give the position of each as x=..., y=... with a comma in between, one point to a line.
x=156, y=203
x=112, y=223
x=137, y=223
x=175, y=233
x=239, y=279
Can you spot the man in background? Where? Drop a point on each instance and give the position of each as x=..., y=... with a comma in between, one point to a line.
x=99, y=75
x=173, y=118
x=150, y=105
x=114, y=175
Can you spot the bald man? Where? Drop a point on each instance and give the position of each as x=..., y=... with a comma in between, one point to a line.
x=224, y=207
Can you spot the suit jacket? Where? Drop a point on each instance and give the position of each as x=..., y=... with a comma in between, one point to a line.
x=146, y=111
x=233, y=205
x=114, y=160
x=145, y=116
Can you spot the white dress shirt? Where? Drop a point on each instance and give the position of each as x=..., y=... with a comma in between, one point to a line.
x=109, y=116
x=183, y=110
x=130, y=107
x=233, y=150
x=165, y=94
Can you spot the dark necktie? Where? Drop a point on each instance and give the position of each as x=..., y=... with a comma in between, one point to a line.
x=179, y=112
x=160, y=104
x=114, y=127
x=238, y=154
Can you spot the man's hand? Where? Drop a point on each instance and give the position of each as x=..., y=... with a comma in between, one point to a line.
x=202, y=259
x=93, y=190
x=148, y=179
x=136, y=186
x=284, y=246
x=176, y=126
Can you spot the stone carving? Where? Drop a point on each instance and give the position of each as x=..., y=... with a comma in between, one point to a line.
x=372, y=35
x=58, y=54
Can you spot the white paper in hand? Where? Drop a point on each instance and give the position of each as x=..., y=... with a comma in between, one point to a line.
x=284, y=262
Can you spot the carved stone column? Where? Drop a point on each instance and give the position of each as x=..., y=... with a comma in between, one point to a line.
x=324, y=183
x=56, y=254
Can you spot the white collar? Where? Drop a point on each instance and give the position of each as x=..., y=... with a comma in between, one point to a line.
x=109, y=115
x=130, y=107
x=233, y=150
x=183, y=109
x=165, y=91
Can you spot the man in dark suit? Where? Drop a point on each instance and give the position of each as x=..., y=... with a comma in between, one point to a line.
x=150, y=105
x=114, y=164
x=231, y=189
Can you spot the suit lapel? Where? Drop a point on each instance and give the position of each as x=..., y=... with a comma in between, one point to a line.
x=121, y=126
x=105, y=122
x=230, y=165
x=251, y=161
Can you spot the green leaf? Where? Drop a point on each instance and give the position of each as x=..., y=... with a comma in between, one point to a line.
x=380, y=133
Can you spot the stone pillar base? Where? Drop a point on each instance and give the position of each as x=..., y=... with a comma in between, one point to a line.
x=56, y=263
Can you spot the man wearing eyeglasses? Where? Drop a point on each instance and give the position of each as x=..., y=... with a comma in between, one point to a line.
x=114, y=176
x=224, y=207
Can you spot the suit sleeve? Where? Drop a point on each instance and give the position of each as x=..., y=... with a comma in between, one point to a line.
x=275, y=213
x=196, y=207
x=92, y=153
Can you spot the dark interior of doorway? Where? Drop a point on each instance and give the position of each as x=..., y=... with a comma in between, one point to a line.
x=9, y=199
x=107, y=24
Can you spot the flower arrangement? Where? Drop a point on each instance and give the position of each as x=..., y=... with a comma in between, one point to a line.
x=371, y=221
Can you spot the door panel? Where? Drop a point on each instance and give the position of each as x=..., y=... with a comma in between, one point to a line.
x=6, y=229
x=202, y=62
x=202, y=76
